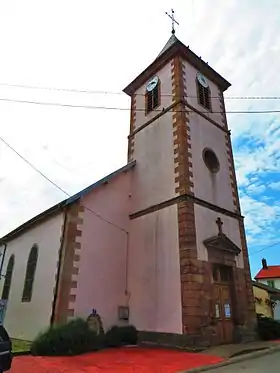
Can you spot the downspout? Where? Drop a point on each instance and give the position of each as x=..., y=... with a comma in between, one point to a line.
x=58, y=275
x=2, y=261
x=127, y=295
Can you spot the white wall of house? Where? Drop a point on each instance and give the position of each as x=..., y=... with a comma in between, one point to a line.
x=276, y=282
x=277, y=311
x=24, y=320
x=277, y=286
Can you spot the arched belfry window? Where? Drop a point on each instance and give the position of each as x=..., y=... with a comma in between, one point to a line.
x=30, y=274
x=8, y=278
x=203, y=91
x=152, y=94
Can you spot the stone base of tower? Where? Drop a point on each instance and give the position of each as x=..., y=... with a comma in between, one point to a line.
x=213, y=313
x=215, y=310
x=194, y=342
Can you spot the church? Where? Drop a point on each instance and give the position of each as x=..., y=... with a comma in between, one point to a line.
x=159, y=243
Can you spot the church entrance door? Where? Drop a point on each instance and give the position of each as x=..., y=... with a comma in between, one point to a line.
x=223, y=303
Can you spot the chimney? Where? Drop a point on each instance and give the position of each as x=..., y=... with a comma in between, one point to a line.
x=264, y=264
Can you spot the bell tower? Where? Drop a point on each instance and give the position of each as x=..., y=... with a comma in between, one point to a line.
x=189, y=274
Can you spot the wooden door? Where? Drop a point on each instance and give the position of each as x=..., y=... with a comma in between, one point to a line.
x=223, y=310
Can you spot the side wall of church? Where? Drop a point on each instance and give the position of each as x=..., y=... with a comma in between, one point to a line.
x=100, y=257
x=154, y=272
x=24, y=320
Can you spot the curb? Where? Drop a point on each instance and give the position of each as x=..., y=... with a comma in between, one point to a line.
x=234, y=360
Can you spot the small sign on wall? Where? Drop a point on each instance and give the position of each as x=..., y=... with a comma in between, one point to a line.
x=123, y=313
x=227, y=311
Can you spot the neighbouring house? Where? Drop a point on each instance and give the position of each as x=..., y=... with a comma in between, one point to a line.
x=266, y=299
x=270, y=275
x=160, y=243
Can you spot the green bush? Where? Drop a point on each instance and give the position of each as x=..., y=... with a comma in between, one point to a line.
x=268, y=329
x=121, y=336
x=73, y=338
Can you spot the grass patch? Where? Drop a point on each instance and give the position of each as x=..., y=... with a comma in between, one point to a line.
x=20, y=345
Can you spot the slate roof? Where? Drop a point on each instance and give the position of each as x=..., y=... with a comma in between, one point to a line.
x=172, y=48
x=172, y=40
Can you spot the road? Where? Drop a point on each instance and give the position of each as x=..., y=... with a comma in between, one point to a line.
x=261, y=364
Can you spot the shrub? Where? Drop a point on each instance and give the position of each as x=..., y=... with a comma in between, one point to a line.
x=268, y=329
x=72, y=338
x=121, y=336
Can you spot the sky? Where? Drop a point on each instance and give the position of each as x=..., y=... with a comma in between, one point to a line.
x=103, y=46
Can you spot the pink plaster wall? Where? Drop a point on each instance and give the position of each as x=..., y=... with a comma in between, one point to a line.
x=192, y=99
x=153, y=177
x=164, y=76
x=154, y=272
x=214, y=188
x=102, y=268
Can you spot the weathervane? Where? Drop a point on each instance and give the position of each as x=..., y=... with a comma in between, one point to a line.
x=173, y=20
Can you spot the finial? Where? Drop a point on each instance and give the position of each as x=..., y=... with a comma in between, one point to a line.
x=220, y=225
x=173, y=21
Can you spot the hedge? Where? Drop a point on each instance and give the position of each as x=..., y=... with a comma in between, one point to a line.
x=75, y=338
x=268, y=329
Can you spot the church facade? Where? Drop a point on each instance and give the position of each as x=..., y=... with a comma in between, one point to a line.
x=159, y=243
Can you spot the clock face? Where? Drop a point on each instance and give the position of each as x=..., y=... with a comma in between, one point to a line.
x=152, y=84
x=202, y=80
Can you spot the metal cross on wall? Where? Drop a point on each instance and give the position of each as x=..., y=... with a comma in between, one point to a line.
x=173, y=20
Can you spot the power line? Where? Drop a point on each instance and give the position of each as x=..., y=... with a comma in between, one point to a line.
x=128, y=109
x=265, y=248
x=73, y=90
x=56, y=185
x=86, y=207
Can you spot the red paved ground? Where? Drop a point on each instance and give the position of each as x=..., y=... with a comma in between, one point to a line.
x=124, y=360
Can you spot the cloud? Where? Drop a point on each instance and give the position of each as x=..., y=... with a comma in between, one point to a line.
x=275, y=185
x=75, y=147
x=256, y=189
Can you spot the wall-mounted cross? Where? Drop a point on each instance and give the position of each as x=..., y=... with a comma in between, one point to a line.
x=220, y=225
x=173, y=20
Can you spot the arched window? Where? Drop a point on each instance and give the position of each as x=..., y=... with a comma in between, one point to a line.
x=204, y=95
x=30, y=274
x=8, y=278
x=152, y=94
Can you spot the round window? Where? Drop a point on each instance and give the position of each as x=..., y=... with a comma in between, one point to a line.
x=211, y=161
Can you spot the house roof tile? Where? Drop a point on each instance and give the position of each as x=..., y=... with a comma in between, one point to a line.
x=270, y=272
